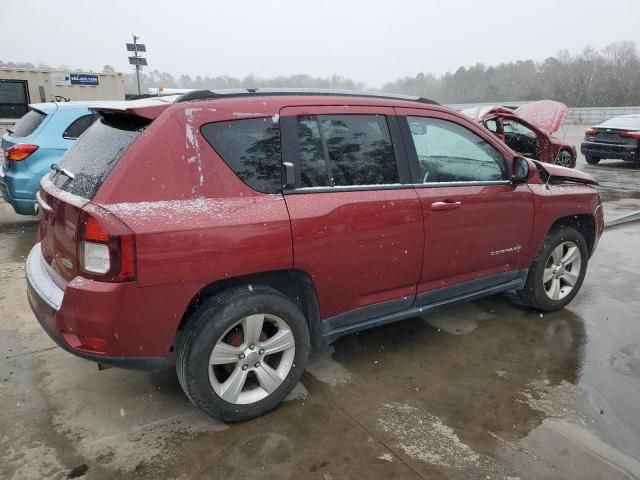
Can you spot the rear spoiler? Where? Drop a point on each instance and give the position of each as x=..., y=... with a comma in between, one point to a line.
x=565, y=174
x=148, y=108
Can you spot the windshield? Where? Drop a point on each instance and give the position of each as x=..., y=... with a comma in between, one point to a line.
x=97, y=151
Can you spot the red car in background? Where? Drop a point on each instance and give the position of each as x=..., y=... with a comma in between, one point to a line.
x=528, y=130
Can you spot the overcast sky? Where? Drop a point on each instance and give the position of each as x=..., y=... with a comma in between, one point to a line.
x=369, y=41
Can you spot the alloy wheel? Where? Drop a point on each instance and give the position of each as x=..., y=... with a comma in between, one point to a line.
x=563, y=159
x=562, y=270
x=251, y=359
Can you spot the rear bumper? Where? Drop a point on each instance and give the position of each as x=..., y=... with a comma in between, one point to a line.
x=610, y=150
x=47, y=301
x=22, y=202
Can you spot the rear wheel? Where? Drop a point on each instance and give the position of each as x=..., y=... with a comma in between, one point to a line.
x=242, y=352
x=591, y=159
x=557, y=272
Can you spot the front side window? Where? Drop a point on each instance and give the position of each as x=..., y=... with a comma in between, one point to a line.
x=345, y=150
x=251, y=148
x=448, y=152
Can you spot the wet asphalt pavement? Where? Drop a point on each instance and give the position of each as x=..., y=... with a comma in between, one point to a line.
x=484, y=390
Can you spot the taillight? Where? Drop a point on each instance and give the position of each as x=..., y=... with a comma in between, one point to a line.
x=19, y=152
x=635, y=135
x=106, y=248
x=591, y=131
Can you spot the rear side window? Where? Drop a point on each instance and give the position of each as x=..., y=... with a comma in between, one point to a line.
x=78, y=126
x=251, y=148
x=93, y=156
x=28, y=123
x=345, y=150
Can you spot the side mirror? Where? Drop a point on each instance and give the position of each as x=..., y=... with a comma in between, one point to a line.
x=520, y=170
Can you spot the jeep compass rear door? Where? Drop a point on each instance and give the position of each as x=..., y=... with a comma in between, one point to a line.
x=356, y=220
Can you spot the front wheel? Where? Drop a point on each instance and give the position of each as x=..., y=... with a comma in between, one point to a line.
x=242, y=352
x=564, y=159
x=557, y=272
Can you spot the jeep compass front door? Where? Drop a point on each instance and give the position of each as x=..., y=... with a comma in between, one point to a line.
x=476, y=221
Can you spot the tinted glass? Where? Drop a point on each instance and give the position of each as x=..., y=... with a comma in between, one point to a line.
x=28, y=123
x=360, y=149
x=448, y=152
x=313, y=164
x=12, y=111
x=93, y=156
x=13, y=92
x=79, y=125
x=251, y=148
x=13, y=98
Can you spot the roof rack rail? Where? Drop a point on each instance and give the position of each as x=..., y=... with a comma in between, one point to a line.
x=247, y=92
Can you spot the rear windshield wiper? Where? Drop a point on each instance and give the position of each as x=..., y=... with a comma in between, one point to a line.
x=57, y=168
x=11, y=131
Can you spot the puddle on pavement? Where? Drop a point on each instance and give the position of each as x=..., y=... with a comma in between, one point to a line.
x=482, y=373
x=16, y=239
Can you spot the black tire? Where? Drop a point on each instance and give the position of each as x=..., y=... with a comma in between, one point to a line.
x=592, y=160
x=205, y=327
x=533, y=294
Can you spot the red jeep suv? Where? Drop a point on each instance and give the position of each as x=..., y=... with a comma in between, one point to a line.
x=229, y=231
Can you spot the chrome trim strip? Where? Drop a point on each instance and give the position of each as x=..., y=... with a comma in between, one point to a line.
x=42, y=204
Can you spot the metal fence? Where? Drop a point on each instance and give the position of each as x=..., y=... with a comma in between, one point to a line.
x=575, y=116
x=595, y=115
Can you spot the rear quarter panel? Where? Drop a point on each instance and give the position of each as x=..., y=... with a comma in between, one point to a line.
x=195, y=221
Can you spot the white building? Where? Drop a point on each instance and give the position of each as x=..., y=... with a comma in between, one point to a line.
x=19, y=87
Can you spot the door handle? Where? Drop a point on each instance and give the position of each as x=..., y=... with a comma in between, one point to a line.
x=446, y=205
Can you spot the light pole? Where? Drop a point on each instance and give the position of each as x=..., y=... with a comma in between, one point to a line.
x=135, y=52
x=137, y=60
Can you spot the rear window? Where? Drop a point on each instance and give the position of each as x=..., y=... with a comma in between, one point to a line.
x=93, y=156
x=28, y=123
x=251, y=148
x=623, y=122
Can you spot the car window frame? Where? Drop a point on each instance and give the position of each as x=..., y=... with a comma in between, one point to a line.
x=290, y=151
x=478, y=130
